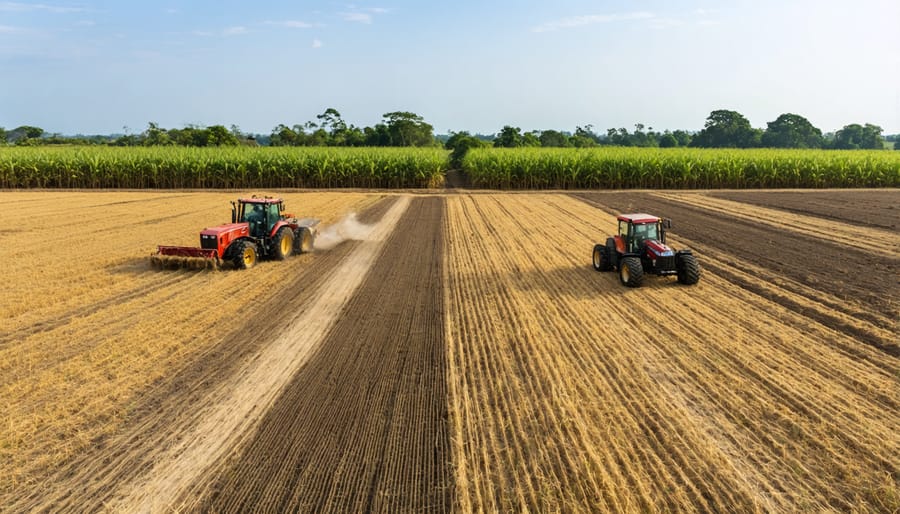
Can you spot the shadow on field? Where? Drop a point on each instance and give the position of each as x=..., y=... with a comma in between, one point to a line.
x=581, y=282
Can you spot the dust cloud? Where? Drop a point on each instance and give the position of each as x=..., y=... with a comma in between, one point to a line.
x=347, y=229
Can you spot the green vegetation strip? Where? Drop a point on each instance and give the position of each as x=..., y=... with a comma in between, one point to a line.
x=175, y=168
x=671, y=168
x=495, y=168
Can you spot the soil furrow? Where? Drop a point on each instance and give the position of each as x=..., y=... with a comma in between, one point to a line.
x=353, y=429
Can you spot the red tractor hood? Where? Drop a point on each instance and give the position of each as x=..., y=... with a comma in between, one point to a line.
x=242, y=229
x=658, y=249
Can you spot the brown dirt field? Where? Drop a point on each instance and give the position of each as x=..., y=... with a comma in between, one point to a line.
x=362, y=428
x=853, y=286
x=465, y=357
x=871, y=207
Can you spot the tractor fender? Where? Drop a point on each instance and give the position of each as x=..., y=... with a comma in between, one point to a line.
x=613, y=251
x=620, y=244
x=278, y=226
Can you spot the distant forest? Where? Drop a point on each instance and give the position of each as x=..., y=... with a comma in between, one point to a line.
x=723, y=129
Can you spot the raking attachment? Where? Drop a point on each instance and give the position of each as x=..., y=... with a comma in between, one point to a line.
x=185, y=257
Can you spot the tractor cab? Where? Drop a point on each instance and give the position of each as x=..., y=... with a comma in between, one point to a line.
x=260, y=213
x=636, y=229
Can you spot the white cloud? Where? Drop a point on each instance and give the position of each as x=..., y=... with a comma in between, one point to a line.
x=234, y=31
x=6, y=29
x=590, y=19
x=317, y=43
x=291, y=24
x=356, y=17
x=203, y=33
x=20, y=7
x=171, y=10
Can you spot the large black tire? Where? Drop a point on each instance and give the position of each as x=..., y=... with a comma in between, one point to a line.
x=600, y=258
x=244, y=255
x=283, y=244
x=688, y=269
x=304, y=240
x=612, y=253
x=631, y=272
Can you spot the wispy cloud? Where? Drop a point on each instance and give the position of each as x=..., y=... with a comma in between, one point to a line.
x=590, y=19
x=171, y=10
x=22, y=7
x=365, y=15
x=317, y=43
x=291, y=24
x=356, y=17
x=6, y=29
x=234, y=31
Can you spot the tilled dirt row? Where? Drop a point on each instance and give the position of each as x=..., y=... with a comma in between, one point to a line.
x=875, y=208
x=848, y=280
x=88, y=480
x=362, y=427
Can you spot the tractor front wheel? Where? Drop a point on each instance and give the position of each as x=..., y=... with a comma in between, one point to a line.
x=631, y=272
x=245, y=255
x=688, y=269
x=283, y=244
x=601, y=258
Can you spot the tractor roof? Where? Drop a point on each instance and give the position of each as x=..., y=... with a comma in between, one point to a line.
x=260, y=200
x=638, y=218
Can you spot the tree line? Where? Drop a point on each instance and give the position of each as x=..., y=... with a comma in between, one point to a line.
x=723, y=129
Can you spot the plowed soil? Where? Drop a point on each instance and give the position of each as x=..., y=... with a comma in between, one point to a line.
x=870, y=207
x=464, y=357
x=362, y=428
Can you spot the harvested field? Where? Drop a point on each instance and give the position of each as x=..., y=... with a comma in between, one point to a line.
x=464, y=356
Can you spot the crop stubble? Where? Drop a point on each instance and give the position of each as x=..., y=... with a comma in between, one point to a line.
x=571, y=392
x=89, y=328
x=765, y=387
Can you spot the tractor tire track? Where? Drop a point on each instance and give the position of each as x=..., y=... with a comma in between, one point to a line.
x=362, y=428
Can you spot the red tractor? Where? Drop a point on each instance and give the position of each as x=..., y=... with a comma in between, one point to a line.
x=259, y=228
x=640, y=248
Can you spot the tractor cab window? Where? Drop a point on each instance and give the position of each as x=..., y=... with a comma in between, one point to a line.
x=644, y=232
x=273, y=215
x=623, y=228
x=254, y=213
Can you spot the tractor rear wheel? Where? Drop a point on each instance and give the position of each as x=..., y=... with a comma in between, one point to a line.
x=688, y=269
x=601, y=258
x=304, y=240
x=283, y=245
x=245, y=255
x=631, y=272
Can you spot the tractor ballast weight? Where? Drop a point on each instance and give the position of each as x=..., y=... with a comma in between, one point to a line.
x=259, y=228
x=640, y=248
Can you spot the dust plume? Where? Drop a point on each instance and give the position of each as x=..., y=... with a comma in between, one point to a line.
x=348, y=228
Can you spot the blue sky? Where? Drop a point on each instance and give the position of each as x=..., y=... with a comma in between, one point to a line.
x=96, y=66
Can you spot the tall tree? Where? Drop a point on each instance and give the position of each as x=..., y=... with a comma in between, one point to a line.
x=510, y=137
x=727, y=129
x=856, y=136
x=408, y=129
x=792, y=131
x=554, y=138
